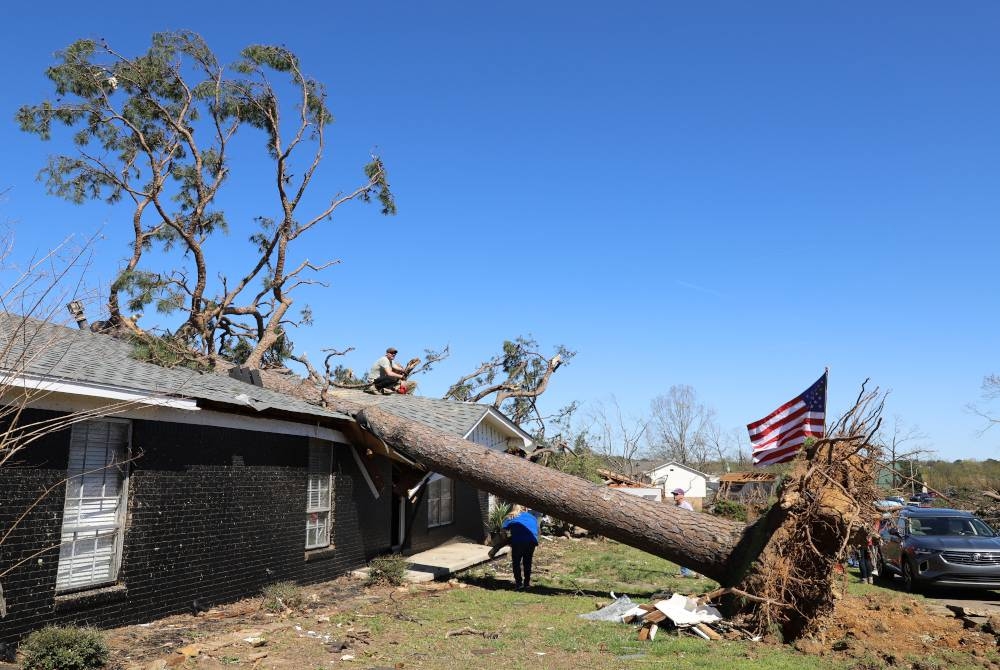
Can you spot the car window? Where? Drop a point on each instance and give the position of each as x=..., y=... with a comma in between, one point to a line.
x=979, y=527
x=949, y=526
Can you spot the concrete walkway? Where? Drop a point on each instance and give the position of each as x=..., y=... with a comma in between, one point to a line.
x=444, y=560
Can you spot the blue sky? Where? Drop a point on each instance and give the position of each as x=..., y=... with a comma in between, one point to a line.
x=727, y=195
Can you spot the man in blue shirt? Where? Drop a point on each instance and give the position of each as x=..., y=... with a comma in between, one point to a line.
x=523, y=528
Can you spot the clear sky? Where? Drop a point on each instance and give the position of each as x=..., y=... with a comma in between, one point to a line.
x=729, y=195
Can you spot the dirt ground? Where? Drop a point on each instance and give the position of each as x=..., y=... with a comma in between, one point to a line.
x=339, y=627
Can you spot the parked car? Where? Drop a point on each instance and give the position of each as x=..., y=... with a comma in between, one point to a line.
x=945, y=547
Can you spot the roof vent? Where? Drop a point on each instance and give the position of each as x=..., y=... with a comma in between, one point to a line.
x=76, y=309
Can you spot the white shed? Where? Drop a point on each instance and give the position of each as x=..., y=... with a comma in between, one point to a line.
x=673, y=475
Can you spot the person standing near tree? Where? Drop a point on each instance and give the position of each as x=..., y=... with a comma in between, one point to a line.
x=679, y=500
x=523, y=528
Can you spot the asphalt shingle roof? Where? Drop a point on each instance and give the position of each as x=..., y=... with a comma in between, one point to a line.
x=71, y=355
x=457, y=418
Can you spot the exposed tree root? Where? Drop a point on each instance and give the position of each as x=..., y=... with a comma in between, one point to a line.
x=826, y=505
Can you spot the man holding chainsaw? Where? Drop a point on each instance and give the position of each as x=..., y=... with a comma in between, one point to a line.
x=387, y=376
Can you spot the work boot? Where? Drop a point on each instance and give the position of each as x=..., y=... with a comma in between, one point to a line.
x=871, y=580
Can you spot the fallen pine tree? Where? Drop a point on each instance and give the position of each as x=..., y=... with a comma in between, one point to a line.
x=777, y=573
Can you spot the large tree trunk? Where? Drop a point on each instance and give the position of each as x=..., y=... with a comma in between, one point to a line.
x=792, y=550
x=715, y=547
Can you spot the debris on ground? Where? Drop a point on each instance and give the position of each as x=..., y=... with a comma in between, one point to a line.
x=679, y=613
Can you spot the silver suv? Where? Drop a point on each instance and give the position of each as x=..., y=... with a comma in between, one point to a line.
x=940, y=546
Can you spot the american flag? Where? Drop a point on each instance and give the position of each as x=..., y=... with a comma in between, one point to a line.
x=778, y=436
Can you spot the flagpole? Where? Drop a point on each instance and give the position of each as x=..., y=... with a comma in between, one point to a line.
x=826, y=397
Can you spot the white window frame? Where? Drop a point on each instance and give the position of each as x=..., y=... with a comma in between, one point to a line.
x=70, y=551
x=319, y=494
x=440, y=502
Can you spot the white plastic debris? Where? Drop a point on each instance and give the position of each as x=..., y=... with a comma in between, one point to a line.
x=684, y=611
x=613, y=612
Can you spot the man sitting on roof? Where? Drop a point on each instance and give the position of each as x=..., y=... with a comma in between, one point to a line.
x=387, y=376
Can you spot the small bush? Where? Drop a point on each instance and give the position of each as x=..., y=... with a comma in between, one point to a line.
x=387, y=570
x=281, y=596
x=730, y=510
x=69, y=648
x=497, y=516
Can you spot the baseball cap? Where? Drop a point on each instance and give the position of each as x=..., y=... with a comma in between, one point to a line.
x=391, y=350
x=677, y=492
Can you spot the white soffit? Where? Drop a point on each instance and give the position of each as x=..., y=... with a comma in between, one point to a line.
x=44, y=385
x=66, y=402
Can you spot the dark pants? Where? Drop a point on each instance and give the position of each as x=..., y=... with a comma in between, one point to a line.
x=864, y=563
x=520, y=555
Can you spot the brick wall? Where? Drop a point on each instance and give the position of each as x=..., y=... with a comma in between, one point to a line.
x=469, y=520
x=213, y=514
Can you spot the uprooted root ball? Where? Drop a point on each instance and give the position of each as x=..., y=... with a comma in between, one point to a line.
x=826, y=505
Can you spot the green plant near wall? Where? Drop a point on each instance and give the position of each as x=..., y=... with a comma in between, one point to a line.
x=64, y=648
x=496, y=517
x=389, y=569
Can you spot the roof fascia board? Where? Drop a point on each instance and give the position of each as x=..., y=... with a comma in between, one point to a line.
x=59, y=402
x=108, y=392
x=364, y=470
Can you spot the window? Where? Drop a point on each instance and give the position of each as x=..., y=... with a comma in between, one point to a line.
x=318, y=495
x=440, y=507
x=93, y=517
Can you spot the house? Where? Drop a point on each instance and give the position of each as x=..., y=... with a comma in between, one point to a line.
x=674, y=475
x=747, y=487
x=148, y=488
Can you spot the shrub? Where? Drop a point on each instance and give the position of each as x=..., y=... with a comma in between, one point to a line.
x=730, y=509
x=64, y=648
x=387, y=570
x=281, y=596
x=497, y=516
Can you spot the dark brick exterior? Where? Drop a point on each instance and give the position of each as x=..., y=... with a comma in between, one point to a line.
x=213, y=514
x=471, y=511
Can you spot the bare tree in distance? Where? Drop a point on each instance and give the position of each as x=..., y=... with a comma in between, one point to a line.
x=903, y=444
x=614, y=436
x=728, y=448
x=156, y=131
x=515, y=378
x=679, y=427
x=990, y=393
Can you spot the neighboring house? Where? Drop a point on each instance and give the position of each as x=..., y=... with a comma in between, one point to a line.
x=673, y=475
x=744, y=487
x=152, y=488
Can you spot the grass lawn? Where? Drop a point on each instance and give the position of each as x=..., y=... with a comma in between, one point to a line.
x=541, y=628
x=479, y=621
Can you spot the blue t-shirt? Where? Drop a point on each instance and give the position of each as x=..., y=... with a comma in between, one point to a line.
x=523, y=528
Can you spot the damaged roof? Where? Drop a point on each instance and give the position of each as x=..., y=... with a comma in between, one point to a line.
x=748, y=477
x=450, y=416
x=33, y=348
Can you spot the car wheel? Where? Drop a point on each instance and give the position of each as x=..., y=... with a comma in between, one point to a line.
x=884, y=571
x=910, y=582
